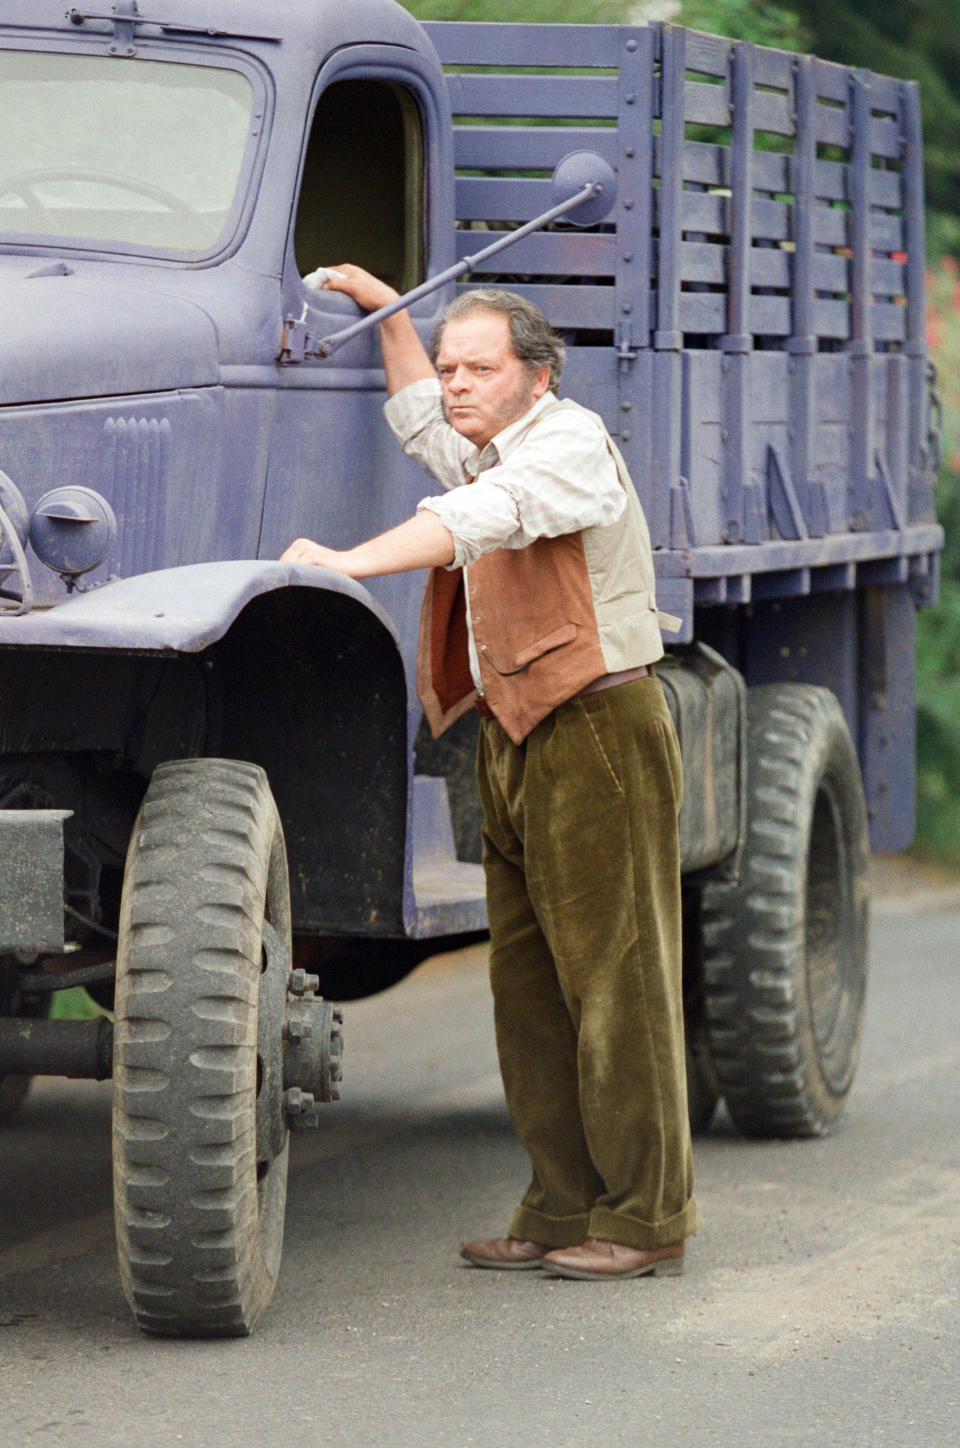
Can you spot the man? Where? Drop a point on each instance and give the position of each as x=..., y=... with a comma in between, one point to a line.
x=552, y=637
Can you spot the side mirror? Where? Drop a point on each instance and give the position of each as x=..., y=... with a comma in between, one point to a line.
x=584, y=174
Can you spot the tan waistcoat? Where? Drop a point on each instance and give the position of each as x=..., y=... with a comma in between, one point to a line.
x=547, y=619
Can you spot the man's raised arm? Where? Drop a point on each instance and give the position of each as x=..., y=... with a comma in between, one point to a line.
x=404, y=357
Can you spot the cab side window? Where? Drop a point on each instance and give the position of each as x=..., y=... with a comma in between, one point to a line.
x=361, y=198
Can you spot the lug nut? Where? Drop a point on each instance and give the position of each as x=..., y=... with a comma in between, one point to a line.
x=300, y=983
x=297, y=1102
x=297, y=1030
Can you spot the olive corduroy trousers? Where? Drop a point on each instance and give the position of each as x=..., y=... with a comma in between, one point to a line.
x=583, y=892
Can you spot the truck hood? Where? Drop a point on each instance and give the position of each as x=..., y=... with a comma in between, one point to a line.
x=66, y=335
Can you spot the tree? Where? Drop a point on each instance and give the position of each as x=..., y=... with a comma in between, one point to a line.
x=582, y=12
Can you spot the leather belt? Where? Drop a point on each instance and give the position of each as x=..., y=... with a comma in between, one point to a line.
x=605, y=681
x=609, y=681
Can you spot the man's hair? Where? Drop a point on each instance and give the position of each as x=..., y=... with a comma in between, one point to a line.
x=534, y=341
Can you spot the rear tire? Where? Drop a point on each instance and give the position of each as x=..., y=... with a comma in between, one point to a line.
x=200, y=1166
x=785, y=949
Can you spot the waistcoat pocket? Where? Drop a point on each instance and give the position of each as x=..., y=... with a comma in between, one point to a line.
x=526, y=656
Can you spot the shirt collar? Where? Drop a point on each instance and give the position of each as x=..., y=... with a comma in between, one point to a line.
x=499, y=448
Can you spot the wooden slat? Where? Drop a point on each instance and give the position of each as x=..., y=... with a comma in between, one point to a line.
x=773, y=112
x=588, y=308
x=579, y=97
x=831, y=273
x=888, y=278
x=771, y=171
x=886, y=232
x=772, y=220
x=885, y=188
x=501, y=199
x=888, y=322
x=707, y=214
x=707, y=54
x=830, y=180
x=503, y=45
x=774, y=67
x=545, y=253
x=885, y=94
x=832, y=318
x=709, y=165
x=771, y=267
x=832, y=80
x=706, y=263
x=705, y=312
x=703, y=163
x=885, y=138
x=534, y=147
x=832, y=127
x=706, y=105
x=831, y=226
x=702, y=261
x=711, y=215
x=770, y=316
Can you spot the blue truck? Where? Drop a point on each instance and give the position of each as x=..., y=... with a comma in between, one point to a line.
x=219, y=811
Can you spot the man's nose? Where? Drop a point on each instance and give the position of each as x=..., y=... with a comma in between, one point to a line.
x=458, y=380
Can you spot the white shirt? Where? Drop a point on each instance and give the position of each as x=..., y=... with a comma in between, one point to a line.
x=531, y=482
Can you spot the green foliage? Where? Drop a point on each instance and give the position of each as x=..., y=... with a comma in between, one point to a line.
x=567, y=12
x=938, y=630
x=73, y=1005
x=755, y=20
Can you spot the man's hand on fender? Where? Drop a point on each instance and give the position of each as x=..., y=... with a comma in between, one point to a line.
x=304, y=550
x=423, y=541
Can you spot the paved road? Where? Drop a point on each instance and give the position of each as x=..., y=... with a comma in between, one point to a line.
x=820, y=1305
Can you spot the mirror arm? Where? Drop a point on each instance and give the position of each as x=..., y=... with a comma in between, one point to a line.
x=336, y=340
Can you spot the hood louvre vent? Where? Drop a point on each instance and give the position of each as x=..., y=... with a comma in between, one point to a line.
x=137, y=460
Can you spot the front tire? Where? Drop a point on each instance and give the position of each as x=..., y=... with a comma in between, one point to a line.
x=785, y=949
x=200, y=1154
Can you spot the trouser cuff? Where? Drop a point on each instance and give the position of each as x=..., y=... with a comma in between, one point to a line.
x=532, y=1226
x=632, y=1232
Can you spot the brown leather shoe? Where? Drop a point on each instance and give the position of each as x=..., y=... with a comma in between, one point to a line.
x=507, y=1254
x=596, y=1261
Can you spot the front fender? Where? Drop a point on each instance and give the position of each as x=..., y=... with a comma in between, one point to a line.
x=289, y=666
x=181, y=609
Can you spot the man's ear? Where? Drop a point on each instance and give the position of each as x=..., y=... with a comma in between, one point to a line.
x=541, y=382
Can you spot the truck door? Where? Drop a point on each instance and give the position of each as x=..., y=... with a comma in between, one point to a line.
x=375, y=141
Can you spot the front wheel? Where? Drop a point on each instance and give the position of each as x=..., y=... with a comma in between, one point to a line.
x=785, y=949
x=200, y=1141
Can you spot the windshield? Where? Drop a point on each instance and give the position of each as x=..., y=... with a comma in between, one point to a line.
x=137, y=152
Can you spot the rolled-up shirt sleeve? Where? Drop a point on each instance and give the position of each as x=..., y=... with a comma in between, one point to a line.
x=416, y=419
x=539, y=478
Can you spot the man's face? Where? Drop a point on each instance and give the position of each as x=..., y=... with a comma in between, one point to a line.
x=485, y=385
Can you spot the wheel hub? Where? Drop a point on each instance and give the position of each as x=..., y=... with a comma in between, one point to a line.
x=299, y=1049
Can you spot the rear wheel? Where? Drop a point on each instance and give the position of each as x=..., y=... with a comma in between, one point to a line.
x=785, y=949
x=200, y=1140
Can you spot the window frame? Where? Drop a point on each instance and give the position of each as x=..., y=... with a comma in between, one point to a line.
x=411, y=72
